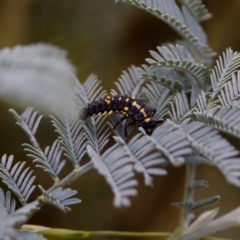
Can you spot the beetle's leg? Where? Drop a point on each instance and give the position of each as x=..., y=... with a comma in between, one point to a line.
x=119, y=121
x=128, y=125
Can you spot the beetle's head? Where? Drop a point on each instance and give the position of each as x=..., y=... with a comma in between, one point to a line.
x=149, y=124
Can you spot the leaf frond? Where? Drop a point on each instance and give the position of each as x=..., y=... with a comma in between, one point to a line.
x=129, y=83
x=178, y=58
x=97, y=132
x=147, y=160
x=28, y=122
x=16, y=178
x=224, y=119
x=181, y=21
x=72, y=137
x=116, y=167
x=60, y=198
x=209, y=143
x=169, y=141
x=49, y=160
x=226, y=66
x=230, y=92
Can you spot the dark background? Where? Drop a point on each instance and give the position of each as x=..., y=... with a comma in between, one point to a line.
x=105, y=38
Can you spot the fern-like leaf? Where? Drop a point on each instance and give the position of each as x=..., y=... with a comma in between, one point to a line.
x=169, y=141
x=178, y=58
x=28, y=122
x=209, y=143
x=49, y=160
x=115, y=165
x=97, y=132
x=72, y=136
x=197, y=9
x=19, y=183
x=224, y=119
x=129, y=83
x=146, y=159
x=231, y=91
x=181, y=21
x=226, y=65
x=59, y=198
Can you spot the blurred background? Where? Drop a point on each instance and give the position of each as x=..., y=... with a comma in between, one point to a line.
x=105, y=38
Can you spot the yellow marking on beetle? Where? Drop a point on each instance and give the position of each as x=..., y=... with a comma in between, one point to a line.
x=126, y=109
x=143, y=112
x=108, y=97
x=104, y=113
x=99, y=114
x=133, y=97
x=110, y=112
x=107, y=101
x=127, y=99
x=147, y=120
x=136, y=105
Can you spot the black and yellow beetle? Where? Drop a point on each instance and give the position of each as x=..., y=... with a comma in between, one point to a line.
x=129, y=106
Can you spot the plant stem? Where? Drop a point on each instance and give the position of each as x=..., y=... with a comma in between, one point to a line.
x=188, y=196
x=57, y=233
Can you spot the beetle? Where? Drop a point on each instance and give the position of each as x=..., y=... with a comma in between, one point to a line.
x=128, y=106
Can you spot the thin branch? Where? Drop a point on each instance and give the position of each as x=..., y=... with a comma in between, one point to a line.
x=59, y=233
x=188, y=195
